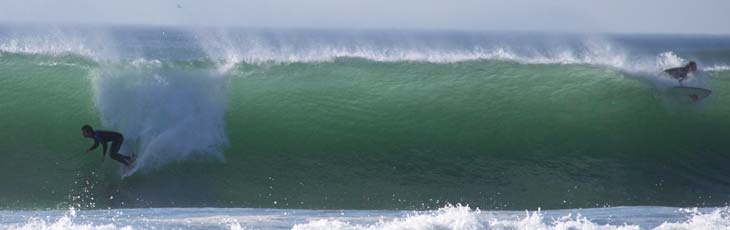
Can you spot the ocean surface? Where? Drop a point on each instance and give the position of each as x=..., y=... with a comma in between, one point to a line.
x=350, y=129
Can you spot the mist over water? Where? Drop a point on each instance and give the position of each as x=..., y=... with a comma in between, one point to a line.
x=166, y=115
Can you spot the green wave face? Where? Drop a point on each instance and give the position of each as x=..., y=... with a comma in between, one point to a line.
x=354, y=133
x=363, y=134
x=44, y=99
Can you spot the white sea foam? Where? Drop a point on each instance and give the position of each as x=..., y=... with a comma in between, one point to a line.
x=66, y=222
x=668, y=60
x=536, y=221
x=717, y=219
x=464, y=218
x=451, y=217
x=448, y=218
x=717, y=68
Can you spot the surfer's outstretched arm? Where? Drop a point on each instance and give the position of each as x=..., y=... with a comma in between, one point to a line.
x=96, y=144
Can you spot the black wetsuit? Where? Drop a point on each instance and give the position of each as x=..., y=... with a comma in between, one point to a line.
x=679, y=73
x=117, y=139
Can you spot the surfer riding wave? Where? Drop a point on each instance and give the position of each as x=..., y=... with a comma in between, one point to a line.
x=101, y=136
x=681, y=73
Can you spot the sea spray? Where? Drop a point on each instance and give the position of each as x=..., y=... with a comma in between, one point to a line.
x=165, y=114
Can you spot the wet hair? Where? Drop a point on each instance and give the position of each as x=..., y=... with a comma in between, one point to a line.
x=87, y=128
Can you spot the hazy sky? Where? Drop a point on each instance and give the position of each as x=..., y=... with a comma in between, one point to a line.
x=629, y=16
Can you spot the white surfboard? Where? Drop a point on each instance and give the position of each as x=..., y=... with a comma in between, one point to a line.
x=128, y=171
x=691, y=94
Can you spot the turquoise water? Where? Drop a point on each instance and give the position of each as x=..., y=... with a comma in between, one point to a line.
x=360, y=120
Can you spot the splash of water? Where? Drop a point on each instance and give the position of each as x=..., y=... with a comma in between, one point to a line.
x=165, y=115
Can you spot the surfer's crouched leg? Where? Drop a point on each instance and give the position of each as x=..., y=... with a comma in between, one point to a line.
x=114, y=154
x=121, y=158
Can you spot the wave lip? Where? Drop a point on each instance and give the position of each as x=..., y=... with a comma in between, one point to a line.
x=231, y=47
x=260, y=48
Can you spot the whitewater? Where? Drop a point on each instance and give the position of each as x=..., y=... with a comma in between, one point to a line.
x=449, y=217
x=361, y=129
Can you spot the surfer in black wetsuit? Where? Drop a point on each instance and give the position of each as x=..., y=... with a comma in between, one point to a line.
x=680, y=73
x=103, y=137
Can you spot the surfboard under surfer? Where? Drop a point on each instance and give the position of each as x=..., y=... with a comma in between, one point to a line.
x=101, y=136
x=680, y=73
